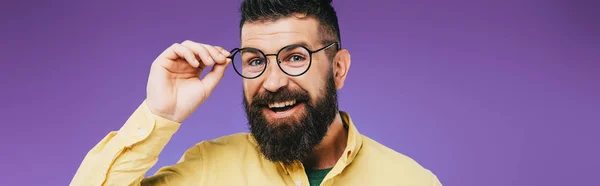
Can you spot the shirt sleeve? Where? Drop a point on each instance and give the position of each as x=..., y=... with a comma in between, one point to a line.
x=436, y=181
x=123, y=157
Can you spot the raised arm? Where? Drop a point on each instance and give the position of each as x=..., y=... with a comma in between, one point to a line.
x=174, y=92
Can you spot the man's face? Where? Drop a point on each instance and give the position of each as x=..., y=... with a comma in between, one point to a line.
x=288, y=115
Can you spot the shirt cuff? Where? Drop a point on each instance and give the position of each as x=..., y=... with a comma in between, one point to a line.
x=146, y=132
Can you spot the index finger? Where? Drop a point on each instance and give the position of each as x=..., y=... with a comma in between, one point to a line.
x=223, y=51
x=177, y=51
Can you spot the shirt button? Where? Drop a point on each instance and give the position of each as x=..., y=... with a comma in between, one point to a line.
x=141, y=132
x=298, y=182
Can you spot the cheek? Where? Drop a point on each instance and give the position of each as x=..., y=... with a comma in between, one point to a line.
x=317, y=76
x=250, y=89
x=314, y=84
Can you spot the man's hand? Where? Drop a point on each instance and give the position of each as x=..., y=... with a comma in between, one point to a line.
x=174, y=89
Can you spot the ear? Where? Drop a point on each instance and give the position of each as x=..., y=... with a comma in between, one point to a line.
x=341, y=66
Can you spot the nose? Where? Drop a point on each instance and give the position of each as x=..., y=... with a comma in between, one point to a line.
x=275, y=78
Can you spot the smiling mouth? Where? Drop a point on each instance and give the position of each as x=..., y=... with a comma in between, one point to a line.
x=283, y=106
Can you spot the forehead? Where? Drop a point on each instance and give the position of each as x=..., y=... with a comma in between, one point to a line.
x=273, y=35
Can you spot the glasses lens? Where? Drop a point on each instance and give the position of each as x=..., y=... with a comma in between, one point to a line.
x=294, y=60
x=249, y=63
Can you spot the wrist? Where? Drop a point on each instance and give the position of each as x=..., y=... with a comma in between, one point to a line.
x=163, y=114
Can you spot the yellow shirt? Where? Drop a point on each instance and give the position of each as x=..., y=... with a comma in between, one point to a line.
x=124, y=156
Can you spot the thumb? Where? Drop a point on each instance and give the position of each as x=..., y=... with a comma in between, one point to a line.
x=215, y=75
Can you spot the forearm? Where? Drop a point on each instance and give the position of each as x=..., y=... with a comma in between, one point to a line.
x=123, y=157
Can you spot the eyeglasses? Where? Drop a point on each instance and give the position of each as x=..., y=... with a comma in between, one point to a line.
x=293, y=60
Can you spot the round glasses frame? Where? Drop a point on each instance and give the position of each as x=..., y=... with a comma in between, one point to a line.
x=235, y=51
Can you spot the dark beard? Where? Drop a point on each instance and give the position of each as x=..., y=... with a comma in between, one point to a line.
x=292, y=139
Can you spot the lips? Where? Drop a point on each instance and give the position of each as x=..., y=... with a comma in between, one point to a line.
x=282, y=106
x=281, y=101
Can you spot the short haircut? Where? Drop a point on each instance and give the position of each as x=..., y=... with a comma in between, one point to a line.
x=271, y=10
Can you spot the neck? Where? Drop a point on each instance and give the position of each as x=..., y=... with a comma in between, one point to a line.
x=331, y=148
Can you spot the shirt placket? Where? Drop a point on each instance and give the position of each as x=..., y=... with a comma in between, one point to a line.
x=338, y=168
x=297, y=174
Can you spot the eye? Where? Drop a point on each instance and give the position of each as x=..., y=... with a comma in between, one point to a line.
x=296, y=58
x=254, y=62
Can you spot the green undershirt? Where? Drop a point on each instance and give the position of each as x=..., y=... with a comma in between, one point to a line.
x=315, y=177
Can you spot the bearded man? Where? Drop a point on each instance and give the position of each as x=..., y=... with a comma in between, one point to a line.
x=292, y=65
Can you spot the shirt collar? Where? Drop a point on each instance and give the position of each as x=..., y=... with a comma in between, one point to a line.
x=354, y=142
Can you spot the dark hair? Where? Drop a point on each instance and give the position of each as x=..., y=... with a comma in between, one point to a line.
x=271, y=10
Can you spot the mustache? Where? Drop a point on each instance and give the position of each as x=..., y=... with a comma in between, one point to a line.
x=281, y=95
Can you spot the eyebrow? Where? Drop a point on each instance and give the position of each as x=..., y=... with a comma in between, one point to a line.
x=303, y=43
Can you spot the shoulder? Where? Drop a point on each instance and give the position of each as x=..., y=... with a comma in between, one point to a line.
x=392, y=163
x=226, y=144
x=232, y=139
x=376, y=149
x=223, y=146
x=215, y=156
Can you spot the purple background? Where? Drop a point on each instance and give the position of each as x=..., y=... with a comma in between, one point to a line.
x=480, y=92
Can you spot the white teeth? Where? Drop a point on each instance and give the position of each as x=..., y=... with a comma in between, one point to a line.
x=282, y=104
